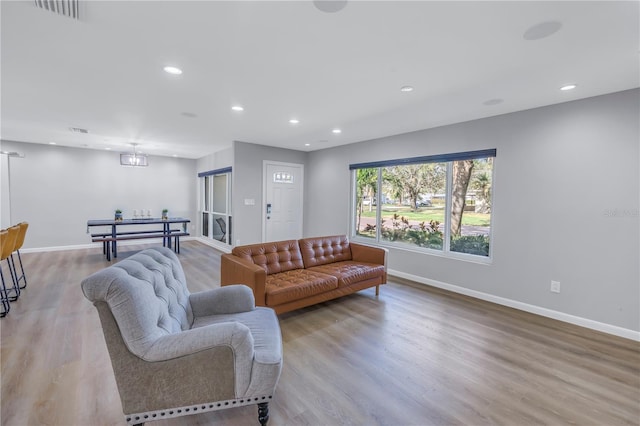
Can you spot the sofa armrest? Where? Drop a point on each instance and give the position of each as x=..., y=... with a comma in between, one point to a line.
x=368, y=254
x=234, y=270
x=224, y=300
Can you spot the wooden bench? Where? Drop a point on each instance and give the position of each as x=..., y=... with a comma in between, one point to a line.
x=107, y=239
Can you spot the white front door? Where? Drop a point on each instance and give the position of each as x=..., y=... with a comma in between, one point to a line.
x=282, y=210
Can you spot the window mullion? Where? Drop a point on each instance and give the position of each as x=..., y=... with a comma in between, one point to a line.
x=447, y=208
x=378, y=205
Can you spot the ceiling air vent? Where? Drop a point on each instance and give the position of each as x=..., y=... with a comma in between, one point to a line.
x=78, y=130
x=68, y=8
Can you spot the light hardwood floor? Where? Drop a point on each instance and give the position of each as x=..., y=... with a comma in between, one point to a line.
x=412, y=356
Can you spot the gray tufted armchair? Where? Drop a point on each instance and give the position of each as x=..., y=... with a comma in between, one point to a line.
x=176, y=353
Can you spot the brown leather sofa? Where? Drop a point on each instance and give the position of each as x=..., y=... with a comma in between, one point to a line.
x=287, y=275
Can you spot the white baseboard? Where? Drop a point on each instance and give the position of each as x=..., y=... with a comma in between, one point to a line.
x=549, y=313
x=99, y=245
x=215, y=244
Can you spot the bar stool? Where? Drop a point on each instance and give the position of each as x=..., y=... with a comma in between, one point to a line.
x=7, y=249
x=19, y=242
x=4, y=297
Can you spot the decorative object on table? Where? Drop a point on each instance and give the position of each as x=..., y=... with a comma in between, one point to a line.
x=165, y=214
x=148, y=214
x=135, y=213
x=118, y=214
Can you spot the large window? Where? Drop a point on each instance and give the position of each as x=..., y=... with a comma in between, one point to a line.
x=430, y=203
x=215, y=205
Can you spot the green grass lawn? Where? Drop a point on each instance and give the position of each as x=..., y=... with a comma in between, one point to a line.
x=428, y=213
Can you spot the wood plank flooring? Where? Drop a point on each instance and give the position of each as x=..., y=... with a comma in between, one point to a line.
x=412, y=356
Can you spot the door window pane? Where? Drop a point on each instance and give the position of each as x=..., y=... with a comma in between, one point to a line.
x=219, y=194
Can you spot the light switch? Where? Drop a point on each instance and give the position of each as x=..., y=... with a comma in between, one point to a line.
x=249, y=202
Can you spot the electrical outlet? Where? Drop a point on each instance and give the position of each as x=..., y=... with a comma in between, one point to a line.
x=555, y=286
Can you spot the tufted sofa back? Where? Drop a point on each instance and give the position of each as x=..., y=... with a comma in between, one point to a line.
x=147, y=295
x=322, y=250
x=274, y=257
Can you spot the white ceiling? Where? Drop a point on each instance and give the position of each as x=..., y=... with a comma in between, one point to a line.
x=282, y=60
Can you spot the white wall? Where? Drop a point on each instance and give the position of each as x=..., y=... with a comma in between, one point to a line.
x=57, y=189
x=561, y=174
x=5, y=205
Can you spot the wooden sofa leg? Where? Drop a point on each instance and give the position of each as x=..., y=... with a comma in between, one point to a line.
x=263, y=413
x=377, y=290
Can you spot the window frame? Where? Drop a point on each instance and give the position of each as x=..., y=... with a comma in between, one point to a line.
x=207, y=194
x=446, y=246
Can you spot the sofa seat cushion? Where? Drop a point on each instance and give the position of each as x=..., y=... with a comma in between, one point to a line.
x=297, y=284
x=349, y=272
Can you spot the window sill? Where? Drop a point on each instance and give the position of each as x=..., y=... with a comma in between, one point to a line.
x=481, y=260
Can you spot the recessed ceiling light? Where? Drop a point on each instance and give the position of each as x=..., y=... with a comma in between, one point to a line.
x=237, y=108
x=307, y=144
x=568, y=87
x=294, y=121
x=491, y=102
x=108, y=149
x=542, y=30
x=330, y=6
x=173, y=70
x=406, y=89
x=336, y=131
x=52, y=143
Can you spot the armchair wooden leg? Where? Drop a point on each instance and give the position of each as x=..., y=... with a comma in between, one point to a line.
x=377, y=290
x=263, y=413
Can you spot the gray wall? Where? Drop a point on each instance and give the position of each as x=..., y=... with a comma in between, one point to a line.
x=57, y=189
x=567, y=190
x=247, y=184
x=565, y=208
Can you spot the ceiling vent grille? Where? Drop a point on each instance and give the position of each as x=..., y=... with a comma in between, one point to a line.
x=68, y=8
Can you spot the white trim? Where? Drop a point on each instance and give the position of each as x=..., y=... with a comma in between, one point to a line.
x=96, y=245
x=220, y=246
x=549, y=313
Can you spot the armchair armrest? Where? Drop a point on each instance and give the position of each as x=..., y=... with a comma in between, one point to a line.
x=234, y=270
x=223, y=300
x=232, y=334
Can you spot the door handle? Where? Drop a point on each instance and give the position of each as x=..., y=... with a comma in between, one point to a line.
x=269, y=211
